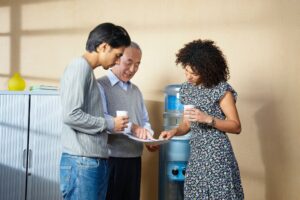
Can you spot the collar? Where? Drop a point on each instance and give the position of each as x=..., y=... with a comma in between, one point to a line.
x=115, y=80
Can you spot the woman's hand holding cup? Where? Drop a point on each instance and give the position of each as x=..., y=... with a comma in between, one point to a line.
x=188, y=109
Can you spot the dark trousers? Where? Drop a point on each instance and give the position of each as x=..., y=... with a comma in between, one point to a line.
x=124, y=178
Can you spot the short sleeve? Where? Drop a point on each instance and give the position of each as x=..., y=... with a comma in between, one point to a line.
x=222, y=88
x=183, y=94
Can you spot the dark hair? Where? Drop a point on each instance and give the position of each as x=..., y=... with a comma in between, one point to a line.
x=206, y=60
x=115, y=36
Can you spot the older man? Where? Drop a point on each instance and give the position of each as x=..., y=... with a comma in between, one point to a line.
x=125, y=154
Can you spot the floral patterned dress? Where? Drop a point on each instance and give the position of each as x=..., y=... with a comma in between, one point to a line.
x=212, y=171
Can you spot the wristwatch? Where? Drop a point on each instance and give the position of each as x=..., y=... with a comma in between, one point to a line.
x=212, y=123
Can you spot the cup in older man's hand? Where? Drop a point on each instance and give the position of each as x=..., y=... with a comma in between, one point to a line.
x=123, y=113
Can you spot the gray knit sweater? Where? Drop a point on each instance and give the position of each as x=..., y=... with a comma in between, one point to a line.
x=131, y=101
x=84, y=126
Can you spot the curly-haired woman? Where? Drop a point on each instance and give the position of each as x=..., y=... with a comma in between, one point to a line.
x=212, y=171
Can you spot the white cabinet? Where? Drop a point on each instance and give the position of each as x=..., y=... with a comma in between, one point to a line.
x=30, y=147
x=13, y=145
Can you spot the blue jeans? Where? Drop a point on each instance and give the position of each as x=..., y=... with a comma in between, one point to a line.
x=83, y=178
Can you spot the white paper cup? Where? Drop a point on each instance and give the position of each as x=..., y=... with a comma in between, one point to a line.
x=188, y=107
x=121, y=113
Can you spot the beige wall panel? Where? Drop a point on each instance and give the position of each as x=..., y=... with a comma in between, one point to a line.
x=4, y=19
x=3, y=83
x=46, y=56
x=48, y=15
x=4, y=55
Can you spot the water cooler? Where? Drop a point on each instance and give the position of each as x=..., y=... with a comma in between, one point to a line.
x=173, y=156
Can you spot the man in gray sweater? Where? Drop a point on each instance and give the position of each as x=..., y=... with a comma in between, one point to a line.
x=84, y=165
x=119, y=94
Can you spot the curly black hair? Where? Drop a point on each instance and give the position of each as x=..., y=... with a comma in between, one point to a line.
x=206, y=60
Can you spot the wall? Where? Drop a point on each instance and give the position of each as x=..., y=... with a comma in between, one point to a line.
x=260, y=39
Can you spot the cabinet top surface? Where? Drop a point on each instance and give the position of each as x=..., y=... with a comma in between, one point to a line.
x=38, y=92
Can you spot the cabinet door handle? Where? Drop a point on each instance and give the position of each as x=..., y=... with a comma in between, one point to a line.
x=29, y=161
x=29, y=158
x=24, y=158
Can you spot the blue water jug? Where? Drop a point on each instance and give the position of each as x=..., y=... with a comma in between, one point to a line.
x=172, y=102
